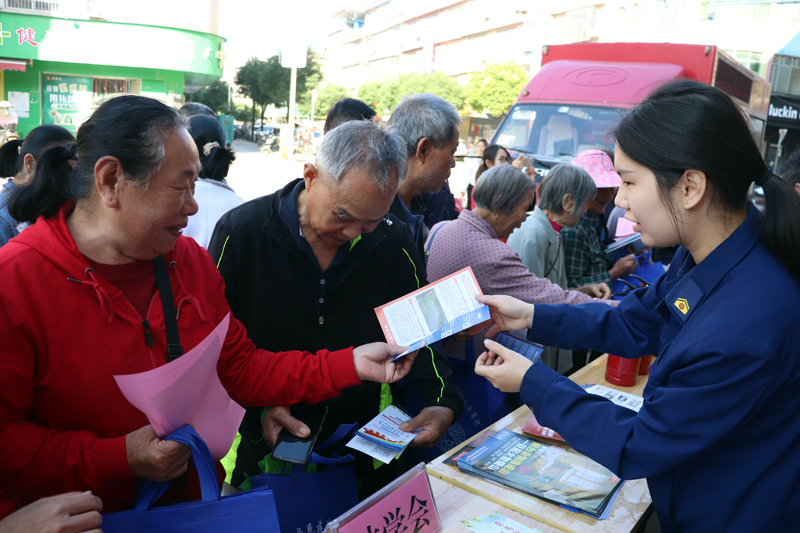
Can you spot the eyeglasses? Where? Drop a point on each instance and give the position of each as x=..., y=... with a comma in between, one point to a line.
x=506, y=159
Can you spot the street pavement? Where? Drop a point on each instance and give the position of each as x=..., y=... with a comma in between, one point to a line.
x=253, y=175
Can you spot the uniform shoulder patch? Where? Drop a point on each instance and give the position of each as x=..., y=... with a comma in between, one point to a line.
x=682, y=305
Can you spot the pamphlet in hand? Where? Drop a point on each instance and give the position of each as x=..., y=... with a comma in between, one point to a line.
x=619, y=248
x=433, y=312
x=381, y=438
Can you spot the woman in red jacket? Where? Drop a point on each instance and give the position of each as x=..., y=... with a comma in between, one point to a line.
x=79, y=304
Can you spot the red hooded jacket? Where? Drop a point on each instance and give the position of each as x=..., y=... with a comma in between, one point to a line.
x=65, y=332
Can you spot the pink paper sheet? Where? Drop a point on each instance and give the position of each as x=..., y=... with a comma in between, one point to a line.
x=624, y=228
x=188, y=390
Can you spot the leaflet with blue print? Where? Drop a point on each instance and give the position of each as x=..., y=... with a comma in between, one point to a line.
x=382, y=437
x=433, y=312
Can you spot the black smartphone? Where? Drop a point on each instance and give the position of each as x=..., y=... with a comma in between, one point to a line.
x=294, y=449
x=525, y=348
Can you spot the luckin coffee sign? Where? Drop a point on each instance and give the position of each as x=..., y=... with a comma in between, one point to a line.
x=784, y=110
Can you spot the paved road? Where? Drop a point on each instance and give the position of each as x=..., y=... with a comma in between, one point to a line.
x=253, y=175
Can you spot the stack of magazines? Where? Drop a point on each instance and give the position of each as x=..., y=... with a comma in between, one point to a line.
x=543, y=470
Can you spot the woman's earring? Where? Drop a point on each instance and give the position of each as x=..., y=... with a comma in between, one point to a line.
x=495, y=215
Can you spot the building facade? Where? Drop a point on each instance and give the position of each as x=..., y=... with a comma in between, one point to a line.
x=59, y=62
x=376, y=39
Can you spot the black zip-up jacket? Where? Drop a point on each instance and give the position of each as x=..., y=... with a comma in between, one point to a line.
x=269, y=285
x=418, y=208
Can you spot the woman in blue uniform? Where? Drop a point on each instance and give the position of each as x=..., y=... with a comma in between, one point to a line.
x=718, y=437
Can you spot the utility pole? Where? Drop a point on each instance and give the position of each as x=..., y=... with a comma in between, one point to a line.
x=313, y=103
x=293, y=56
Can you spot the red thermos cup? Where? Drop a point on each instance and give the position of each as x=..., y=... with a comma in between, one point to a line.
x=644, y=365
x=621, y=371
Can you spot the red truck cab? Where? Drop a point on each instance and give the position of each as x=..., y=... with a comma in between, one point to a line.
x=582, y=90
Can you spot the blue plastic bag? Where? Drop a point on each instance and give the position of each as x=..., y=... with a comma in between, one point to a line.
x=243, y=512
x=306, y=500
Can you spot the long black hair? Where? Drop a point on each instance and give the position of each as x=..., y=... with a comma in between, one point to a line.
x=131, y=128
x=686, y=124
x=489, y=154
x=12, y=153
x=209, y=138
x=12, y=162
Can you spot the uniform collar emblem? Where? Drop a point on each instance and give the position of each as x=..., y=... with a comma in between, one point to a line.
x=682, y=305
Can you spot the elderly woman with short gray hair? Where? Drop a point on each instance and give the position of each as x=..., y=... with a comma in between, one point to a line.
x=563, y=196
x=562, y=201
x=501, y=197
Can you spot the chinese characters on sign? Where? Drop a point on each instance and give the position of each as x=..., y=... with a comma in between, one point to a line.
x=405, y=506
x=27, y=36
x=397, y=522
x=67, y=100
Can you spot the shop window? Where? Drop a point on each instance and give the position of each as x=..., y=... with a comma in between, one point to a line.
x=33, y=5
x=102, y=88
x=735, y=10
x=785, y=75
x=749, y=59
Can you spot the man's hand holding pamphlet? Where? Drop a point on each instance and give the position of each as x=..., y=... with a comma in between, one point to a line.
x=433, y=312
x=382, y=438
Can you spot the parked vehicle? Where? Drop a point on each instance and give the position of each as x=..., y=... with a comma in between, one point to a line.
x=263, y=132
x=272, y=142
x=8, y=122
x=582, y=90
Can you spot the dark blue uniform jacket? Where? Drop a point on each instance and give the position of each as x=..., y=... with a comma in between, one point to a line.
x=718, y=437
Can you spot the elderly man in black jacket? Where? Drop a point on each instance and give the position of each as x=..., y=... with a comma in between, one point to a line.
x=305, y=267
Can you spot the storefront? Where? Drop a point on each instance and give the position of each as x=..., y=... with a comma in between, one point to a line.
x=784, y=104
x=57, y=71
x=784, y=113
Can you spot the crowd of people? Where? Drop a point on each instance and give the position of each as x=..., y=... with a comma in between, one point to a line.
x=96, y=247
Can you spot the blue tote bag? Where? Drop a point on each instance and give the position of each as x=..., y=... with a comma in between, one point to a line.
x=307, y=500
x=243, y=512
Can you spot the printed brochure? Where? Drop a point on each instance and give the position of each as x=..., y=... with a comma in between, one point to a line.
x=433, y=312
x=381, y=437
x=543, y=470
x=624, y=399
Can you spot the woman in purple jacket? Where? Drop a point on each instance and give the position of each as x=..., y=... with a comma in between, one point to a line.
x=501, y=196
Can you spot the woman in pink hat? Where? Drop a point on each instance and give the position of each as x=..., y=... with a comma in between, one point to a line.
x=584, y=255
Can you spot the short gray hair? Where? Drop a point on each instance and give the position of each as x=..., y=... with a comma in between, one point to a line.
x=562, y=180
x=502, y=188
x=361, y=143
x=424, y=115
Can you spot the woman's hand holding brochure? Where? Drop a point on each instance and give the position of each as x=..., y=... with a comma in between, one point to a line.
x=504, y=368
x=508, y=313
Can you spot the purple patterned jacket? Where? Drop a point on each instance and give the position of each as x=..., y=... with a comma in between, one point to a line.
x=471, y=241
